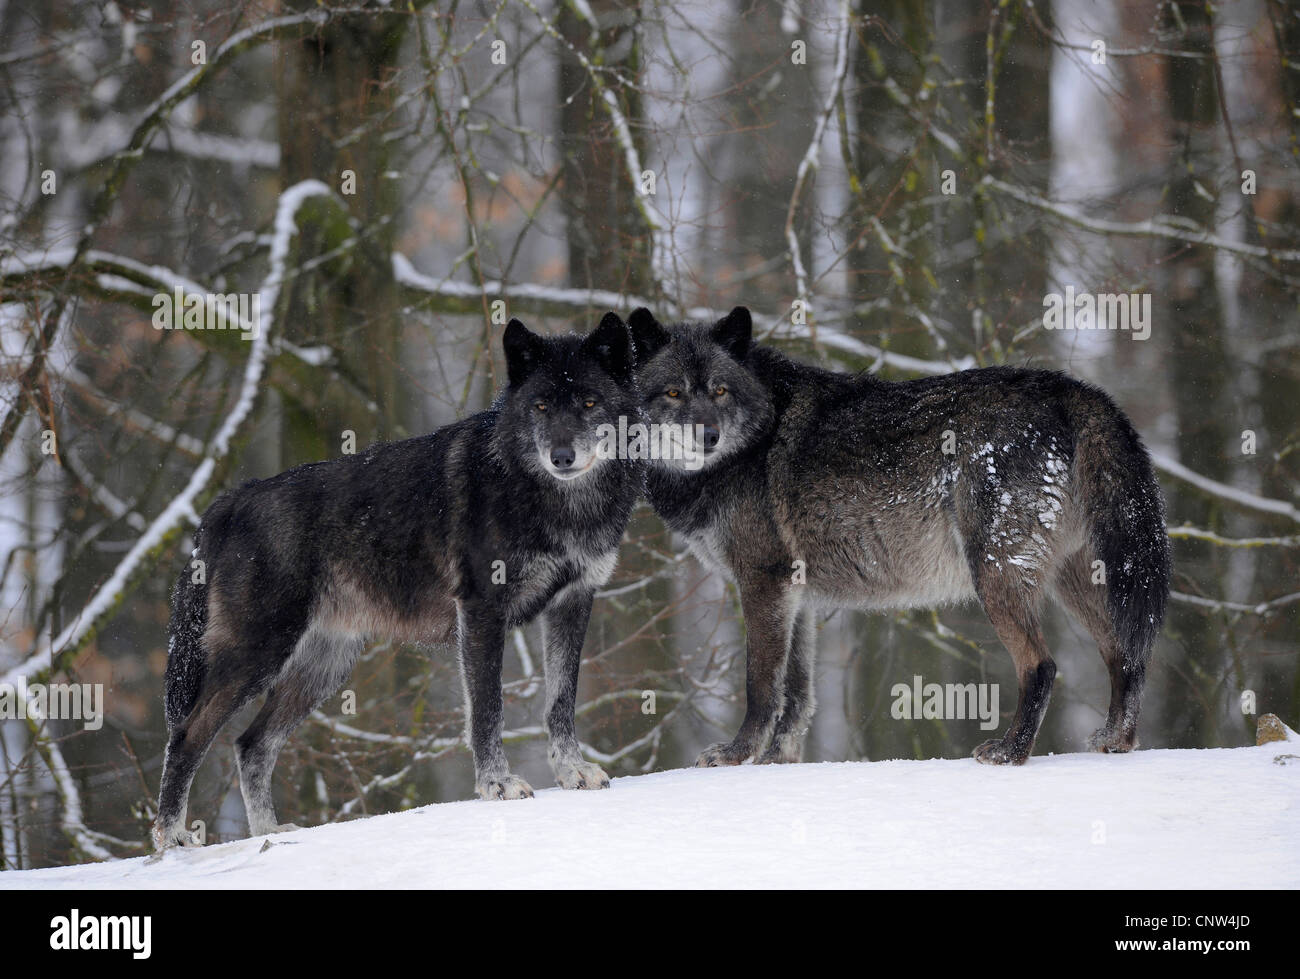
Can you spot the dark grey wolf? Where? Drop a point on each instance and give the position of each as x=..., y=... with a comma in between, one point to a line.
x=460, y=535
x=826, y=489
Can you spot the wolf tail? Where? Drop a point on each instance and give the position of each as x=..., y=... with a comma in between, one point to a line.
x=186, y=663
x=1125, y=516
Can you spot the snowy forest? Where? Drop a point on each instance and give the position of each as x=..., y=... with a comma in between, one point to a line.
x=899, y=187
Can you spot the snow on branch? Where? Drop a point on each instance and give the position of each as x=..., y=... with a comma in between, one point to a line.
x=115, y=273
x=1188, y=532
x=121, y=279
x=46, y=659
x=623, y=135
x=130, y=154
x=541, y=300
x=1174, y=229
x=106, y=498
x=223, y=149
x=1262, y=608
x=462, y=297
x=71, y=822
x=1224, y=492
x=153, y=427
x=812, y=156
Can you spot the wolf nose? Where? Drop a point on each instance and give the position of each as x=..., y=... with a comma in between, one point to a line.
x=562, y=458
x=711, y=436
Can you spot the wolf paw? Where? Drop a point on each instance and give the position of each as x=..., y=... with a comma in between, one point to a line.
x=581, y=775
x=724, y=753
x=1110, y=741
x=166, y=837
x=996, y=752
x=505, y=787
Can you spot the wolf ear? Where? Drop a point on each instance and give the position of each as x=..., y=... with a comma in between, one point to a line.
x=524, y=351
x=734, y=332
x=647, y=334
x=611, y=345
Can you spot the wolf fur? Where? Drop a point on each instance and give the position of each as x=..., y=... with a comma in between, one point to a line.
x=999, y=484
x=409, y=540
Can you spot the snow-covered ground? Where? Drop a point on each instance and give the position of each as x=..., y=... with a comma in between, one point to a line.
x=1220, y=818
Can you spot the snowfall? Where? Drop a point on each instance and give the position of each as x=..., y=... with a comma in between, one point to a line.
x=1214, y=818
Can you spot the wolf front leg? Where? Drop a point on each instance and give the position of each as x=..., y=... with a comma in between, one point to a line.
x=770, y=607
x=482, y=637
x=564, y=627
x=799, y=702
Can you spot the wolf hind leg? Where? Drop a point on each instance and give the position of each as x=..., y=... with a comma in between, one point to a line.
x=1010, y=601
x=787, y=742
x=221, y=697
x=320, y=664
x=1086, y=601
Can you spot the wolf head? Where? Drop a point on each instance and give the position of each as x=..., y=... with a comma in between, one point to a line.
x=693, y=378
x=561, y=391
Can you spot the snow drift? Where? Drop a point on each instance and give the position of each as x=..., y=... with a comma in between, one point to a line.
x=1217, y=818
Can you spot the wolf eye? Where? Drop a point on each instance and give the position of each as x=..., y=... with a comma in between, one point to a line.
x=589, y=403
x=540, y=406
x=719, y=391
x=674, y=393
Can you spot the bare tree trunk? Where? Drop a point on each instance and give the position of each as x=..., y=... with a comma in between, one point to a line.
x=1201, y=384
x=609, y=245
x=337, y=97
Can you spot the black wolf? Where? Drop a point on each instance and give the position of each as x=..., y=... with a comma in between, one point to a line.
x=458, y=535
x=835, y=490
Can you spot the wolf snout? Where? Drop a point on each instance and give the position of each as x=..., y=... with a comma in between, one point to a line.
x=562, y=457
x=710, y=436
